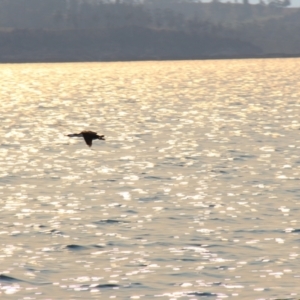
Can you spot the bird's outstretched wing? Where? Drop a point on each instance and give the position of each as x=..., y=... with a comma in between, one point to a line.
x=88, y=140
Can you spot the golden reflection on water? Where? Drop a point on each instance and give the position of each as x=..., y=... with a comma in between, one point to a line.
x=194, y=193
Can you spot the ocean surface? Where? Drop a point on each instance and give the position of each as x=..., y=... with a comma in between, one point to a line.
x=194, y=194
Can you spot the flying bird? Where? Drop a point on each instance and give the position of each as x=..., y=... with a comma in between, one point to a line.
x=88, y=136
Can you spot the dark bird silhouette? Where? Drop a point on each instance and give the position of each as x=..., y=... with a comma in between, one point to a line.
x=88, y=136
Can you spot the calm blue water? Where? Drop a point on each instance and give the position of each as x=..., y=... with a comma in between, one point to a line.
x=195, y=193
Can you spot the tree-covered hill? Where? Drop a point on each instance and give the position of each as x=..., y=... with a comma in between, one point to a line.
x=77, y=30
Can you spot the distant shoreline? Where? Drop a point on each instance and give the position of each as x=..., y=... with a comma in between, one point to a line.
x=59, y=31
x=264, y=56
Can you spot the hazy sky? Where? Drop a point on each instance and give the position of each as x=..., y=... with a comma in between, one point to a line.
x=295, y=3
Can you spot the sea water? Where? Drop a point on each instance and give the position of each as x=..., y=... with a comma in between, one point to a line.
x=194, y=194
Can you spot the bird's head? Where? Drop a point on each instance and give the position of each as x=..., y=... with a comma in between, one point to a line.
x=101, y=137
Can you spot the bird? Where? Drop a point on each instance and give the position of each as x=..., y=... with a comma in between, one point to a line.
x=88, y=136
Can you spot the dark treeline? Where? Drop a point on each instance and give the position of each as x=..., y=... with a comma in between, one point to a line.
x=152, y=29
x=167, y=14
